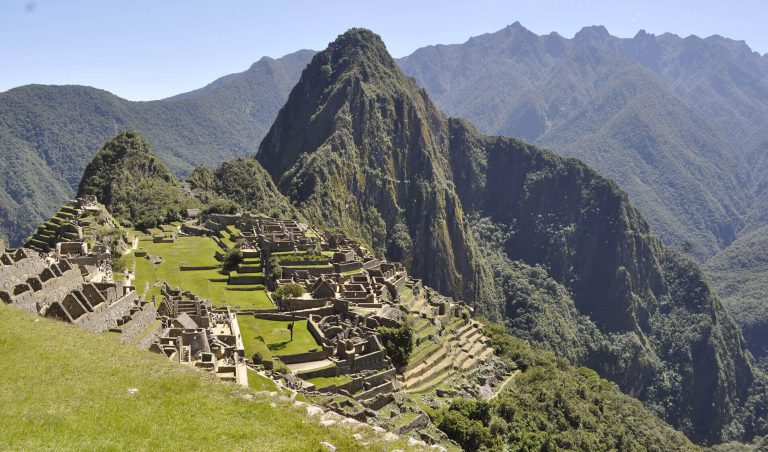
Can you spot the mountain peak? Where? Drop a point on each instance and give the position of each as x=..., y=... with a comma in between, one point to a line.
x=592, y=33
x=358, y=36
x=643, y=35
x=358, y=52
x=516, y=26
x=354, y=67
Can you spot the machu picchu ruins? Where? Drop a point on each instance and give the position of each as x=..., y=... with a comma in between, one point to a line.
x=512, y=240
x=237, y=320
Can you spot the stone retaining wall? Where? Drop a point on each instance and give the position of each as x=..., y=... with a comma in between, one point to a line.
x=277, y=316
x=381, y=377
x=325, y=372
x=139, y=322
x=376, y=390
x=304, y=357
x=201, y=267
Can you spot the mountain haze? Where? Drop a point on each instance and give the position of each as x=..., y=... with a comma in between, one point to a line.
x=740, y=273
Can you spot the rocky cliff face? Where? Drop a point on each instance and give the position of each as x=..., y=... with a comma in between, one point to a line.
x=662, y=116
x=359, y=147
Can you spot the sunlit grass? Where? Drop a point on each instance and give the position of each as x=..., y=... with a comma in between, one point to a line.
x=64, y=388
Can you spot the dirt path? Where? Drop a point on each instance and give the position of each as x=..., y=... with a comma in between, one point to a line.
x=504, y=384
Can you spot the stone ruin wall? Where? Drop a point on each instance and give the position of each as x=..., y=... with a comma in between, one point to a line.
x=140, y=320
x=106, y=315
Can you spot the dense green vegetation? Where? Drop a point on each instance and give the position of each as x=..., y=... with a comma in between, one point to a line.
x=740, y=273
x=74, y=395
x=399, y=344
x=245, y=182
x=134, y=184
x=232, y=259
x=49, y=133
x=291, y=290
x=551, y=405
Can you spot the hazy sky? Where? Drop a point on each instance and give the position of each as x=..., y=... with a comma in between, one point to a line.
x=145, y=50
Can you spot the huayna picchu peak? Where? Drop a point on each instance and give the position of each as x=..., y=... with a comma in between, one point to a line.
x=323, y=252
x=360, y=147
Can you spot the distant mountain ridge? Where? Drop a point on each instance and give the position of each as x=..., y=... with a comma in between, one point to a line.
x=596, y=97
x=49, y=133
x=679, y=123
x=512, y=82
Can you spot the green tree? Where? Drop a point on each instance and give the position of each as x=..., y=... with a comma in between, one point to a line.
x=398, y=342
x=470, y=434
x=232, y=259
x=291, y=290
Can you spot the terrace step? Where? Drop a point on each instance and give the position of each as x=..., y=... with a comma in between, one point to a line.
x=477, y=349
x=426, y=364
x=463, y=329
x=416, y=307
x=460, y=359
x=436, y=371
x=435, y=348
x=485, y=353
x=468, y=335
x=469, y=363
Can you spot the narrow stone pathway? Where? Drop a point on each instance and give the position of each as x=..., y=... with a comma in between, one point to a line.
x=504, y=384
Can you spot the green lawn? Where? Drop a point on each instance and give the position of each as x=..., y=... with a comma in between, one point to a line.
x=275, y=335
x=227, y=238
x=64, y=388
x=252, y=338
x=322, y=382
x=352, y=272
x=223, y=295
x=197, y=252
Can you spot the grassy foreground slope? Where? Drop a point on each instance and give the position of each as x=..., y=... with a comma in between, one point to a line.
x=64, y=388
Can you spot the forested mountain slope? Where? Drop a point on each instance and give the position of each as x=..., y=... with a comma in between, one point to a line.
x=49, y=133
x=740, y=273
x=358, y=146
x=641, y=111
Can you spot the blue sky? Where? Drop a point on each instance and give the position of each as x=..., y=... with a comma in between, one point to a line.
x=144, y=50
